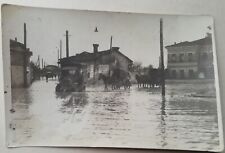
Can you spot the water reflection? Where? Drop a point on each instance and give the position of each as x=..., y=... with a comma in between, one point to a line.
x=62, y=95
x=73, y=102
x=109, y=116
x=163, y=122
x=21, y=102
x=133, y=118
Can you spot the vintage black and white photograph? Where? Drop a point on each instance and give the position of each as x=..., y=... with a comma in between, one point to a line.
x=79, y=78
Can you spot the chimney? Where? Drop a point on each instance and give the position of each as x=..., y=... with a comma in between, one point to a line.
x=115, y=48
x=95, y=48
x=25, y=35
x=16, y=39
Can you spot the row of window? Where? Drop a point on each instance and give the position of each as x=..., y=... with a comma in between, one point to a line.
x=180, y=57
x=181, y=74
x=189, y=57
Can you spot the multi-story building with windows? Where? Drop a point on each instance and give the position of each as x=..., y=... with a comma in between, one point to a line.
x=191, y=60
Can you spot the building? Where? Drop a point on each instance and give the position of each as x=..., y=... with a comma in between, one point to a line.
x=98, y=61
x=51, y=69
x=21, y=73
x=191, y=60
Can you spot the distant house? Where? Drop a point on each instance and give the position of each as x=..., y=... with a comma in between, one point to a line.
x=99, y=61
x=51, y=68
x=21, y=73
x=50, y=71
x=191, y=60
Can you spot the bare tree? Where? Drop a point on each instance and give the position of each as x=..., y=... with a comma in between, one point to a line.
x=137, y=67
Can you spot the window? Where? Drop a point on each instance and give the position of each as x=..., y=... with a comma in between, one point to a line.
x=174, y=57
x=191, y=73
x=181, y=57
x=174, y=74
x=182, y=74
x=169, y=57
x=190, y=57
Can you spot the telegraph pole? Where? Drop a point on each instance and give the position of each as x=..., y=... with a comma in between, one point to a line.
x=67, y=43
x=95, y=54
x=25, y=55
x=162, y=59
x=38, y=61
x=111, y=43
x=58, y=56
x=25, y=35
x=42, y=63
x=60, y=49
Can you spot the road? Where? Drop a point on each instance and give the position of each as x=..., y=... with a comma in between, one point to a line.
x=137, y=118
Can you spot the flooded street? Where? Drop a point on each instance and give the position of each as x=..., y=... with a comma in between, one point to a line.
x=137, y=118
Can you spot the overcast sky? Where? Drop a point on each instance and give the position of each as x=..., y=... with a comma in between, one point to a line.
x=137, y=35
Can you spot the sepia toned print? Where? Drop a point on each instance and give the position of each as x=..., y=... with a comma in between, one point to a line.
x=104, y=79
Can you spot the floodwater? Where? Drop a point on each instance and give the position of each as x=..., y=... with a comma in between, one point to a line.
x=138, y=118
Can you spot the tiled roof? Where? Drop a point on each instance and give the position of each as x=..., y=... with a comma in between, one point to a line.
x=203, y=41
x=88, y=57
x=85, y=56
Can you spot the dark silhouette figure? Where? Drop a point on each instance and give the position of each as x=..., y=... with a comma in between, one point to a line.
x=151, y=80
x=117, y=79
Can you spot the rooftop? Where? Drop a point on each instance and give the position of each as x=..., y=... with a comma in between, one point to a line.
x=204, y=41
x=18, y=46
x=14, y=43
x=91, y=56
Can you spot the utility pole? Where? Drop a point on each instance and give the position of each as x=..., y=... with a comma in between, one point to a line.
x=162, y=59
x=38, y=61
x=111, y=43
x=25, y=62
x=60, y=48
x=25, y=35
x=42, y=63
x=95, y=54
x=58, y=56
x=38, y=72
x=67, y=43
